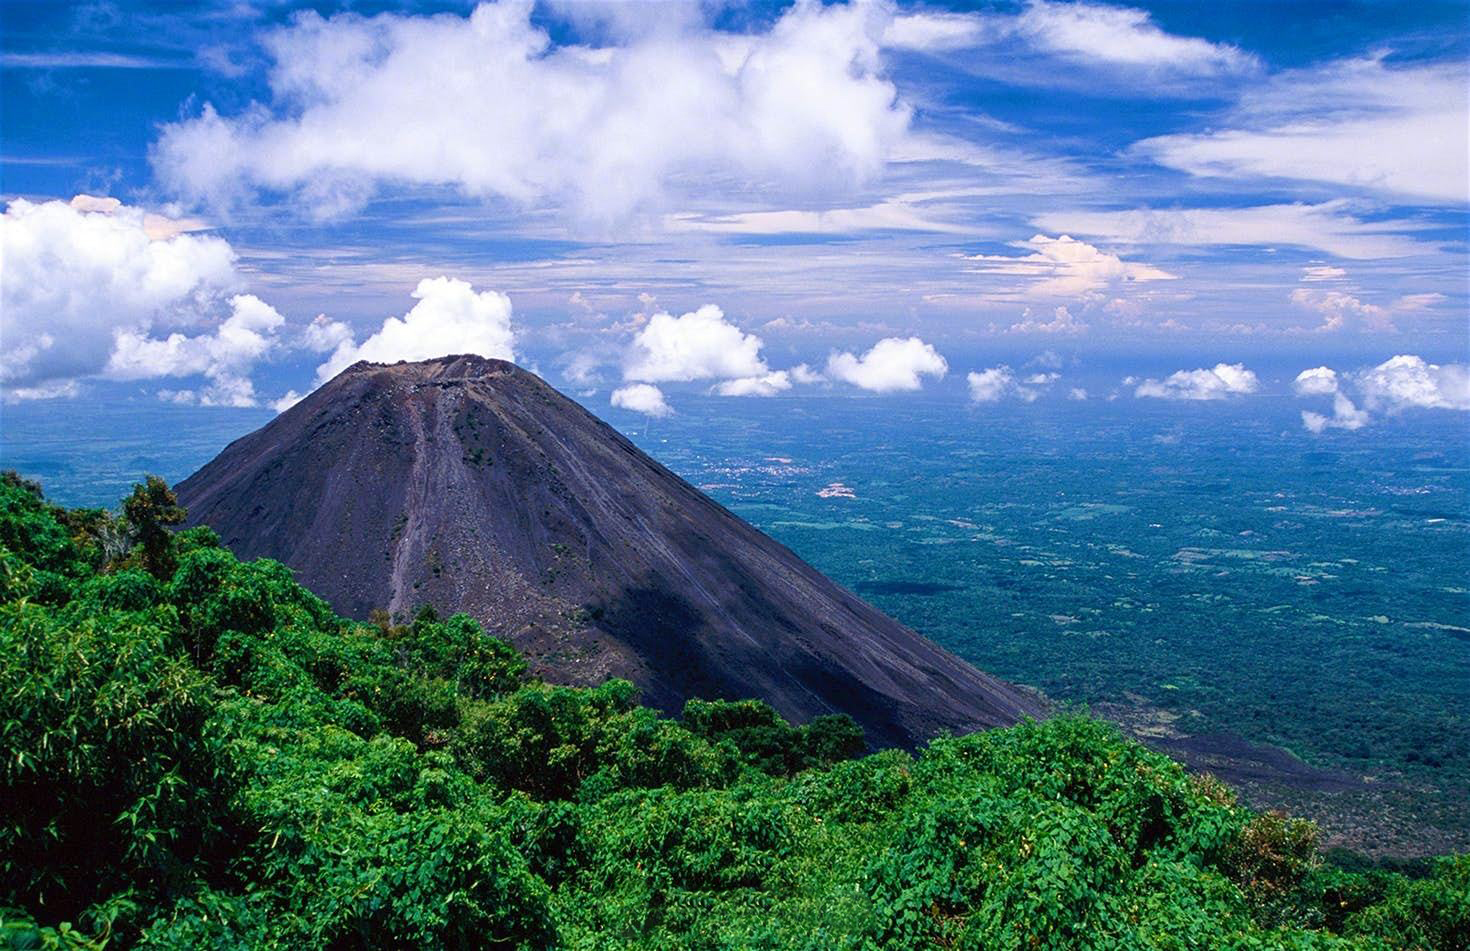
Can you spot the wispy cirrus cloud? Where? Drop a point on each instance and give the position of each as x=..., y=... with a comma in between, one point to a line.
x=89, y=59
x=1329, y=226
x=900, y=213
x=1083, y=33
x=1364, y=124
x=1123, y=36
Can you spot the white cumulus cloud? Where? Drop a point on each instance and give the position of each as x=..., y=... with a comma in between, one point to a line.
x=700, y=345
x=1397, y=384
x=1341, y=310
x=1066, y=267
x=1219, y=382
x=1324, y=381
x=225, y=356
x=76, y=274
x=641, y=398
x=491, y=105
x=768, y=385
x=1062, y=321
x=450, y=317
x=802, y=373
x=998, y=383
x=1345, y=415
x=989, y=386
x=1318, y=381
x=1407, y=382
x=892, y=364
x=323, y=335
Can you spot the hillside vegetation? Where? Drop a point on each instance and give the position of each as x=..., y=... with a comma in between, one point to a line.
x=195, y=752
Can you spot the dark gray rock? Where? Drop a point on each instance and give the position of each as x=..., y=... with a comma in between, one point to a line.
x=472, y=485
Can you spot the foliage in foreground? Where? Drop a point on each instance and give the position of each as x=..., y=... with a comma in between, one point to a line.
x=195, y=752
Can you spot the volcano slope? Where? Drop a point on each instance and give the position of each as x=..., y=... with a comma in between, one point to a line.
x=471, y=485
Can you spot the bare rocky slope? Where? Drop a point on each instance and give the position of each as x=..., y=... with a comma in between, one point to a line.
x=472, y=485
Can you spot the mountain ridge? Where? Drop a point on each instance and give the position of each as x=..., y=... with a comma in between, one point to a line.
x=471, y=484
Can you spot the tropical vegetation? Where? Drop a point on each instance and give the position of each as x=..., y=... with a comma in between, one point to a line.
x=196, y=752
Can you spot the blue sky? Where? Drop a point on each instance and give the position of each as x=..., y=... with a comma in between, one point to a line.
x=750, y=198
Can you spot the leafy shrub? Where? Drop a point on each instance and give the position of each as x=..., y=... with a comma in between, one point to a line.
x=195, y=752
x=1270, y=860
x=769, y=743
x=1433, y=913
x=102, y=769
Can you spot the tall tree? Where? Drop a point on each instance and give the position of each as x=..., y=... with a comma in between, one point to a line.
x=151, y=509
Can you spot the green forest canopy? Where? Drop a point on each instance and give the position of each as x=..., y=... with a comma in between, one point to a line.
x=198, y=753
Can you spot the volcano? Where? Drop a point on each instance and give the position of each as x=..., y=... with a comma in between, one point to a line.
x=471, y=485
